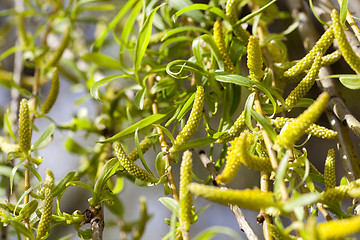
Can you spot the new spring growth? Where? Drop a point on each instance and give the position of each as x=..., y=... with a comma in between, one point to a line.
x=277, y=234
x=314, y=129
x=193, y=122
x=234, y=131
x=306, y=83
x=53, y=94
x=219, y=40
x=254, y=59
x=349, y=55
x=24, y=126
x=297, y=128
x=336, y=194
x=186, y=201
x=131, y=167
x=144, y=146
x=231, y=13
x=45, y=219
x=248, y=198
x=320, y=47
x=329, y=171
x=340, y=228
x=54, y=59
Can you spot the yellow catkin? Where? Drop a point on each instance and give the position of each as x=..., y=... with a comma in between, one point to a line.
x=53, y=94
x=45, y=219
x=306, y=83
x=186, y=201
x=277, y=234
x=314, y=129
x=219, y=40
x=330, y=58
x=339, y=228
x=131, y=167
x=144, y=146
x=231, y=13
x=297, y=128
x=24, y=126
x=54, y=59
x=260, y=150
x=253, y=199
x=320, y=47
x=329, y=171
x=348, y=53
x=234, y=131
x=336, y=194
x=192, y=123
x=254, y=59
x=280, y=69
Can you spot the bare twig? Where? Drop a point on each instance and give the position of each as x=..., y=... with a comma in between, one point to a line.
x=97, y=225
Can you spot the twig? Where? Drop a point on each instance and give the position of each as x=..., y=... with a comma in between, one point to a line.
x=97, y=225
x=243, y=223
x=352, y=22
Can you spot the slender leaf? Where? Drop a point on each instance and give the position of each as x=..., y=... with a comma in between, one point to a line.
x=102, y=60
x=209, y=233
x=8, y=125
x=248, y=108
x=20, y=228
x=183, y=29
x=251, y=15
x=160, y=164
x=303, y=200
x=94, y=90
x=44, y=138
x=61, y=186
x=200, y=142
x=171, y=204
x=141, y=156
x=265, y=124
x=200, y=6
x=33, y=171
x=280, y=173
x=343, y=10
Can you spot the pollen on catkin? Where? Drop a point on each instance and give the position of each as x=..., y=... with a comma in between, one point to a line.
x=144, y=146
x=330, y=58
x=219, y=40
x=192, y=123
x=234, y=131
x=314, y=129
x=186, y=201
x=329, y=171
x=306, y=83
x=53, y=94
x=254, y=59
x=348, y=53
x=320, y=47
x=336, y=194
x=231, y=13
x=297, y=128
x=131, y=167
x=252, y=199
x=339, y=228
x=45, y=219
x=24, y=126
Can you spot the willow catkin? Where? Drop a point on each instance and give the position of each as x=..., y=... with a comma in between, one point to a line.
x=192, y=123
x=252, y=199
x=45, y=219
x=219, y=40
x=336, y=194
x=53, y=94
x=131, y=167
x=54, y=59
x=277, y=234
x=24, y=126
x=144, y=146
x=231, y=13
x=339, y=228
x=234, y=131
x=254, y=59
x=186, y=201
x=329, y=171
x=320, y=47
x=297, y=128
x=330, y=58
x=348, y=53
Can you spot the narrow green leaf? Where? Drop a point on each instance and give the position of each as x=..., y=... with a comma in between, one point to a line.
x=265, y=124
x=248, y=108
x=160, y=164
x=251, y=15
x=153, y=119
x=167, y=133
x=12, y=175
x=102, y=60
x=200, y=142
x=20, y=228
x=72, y=146
x=61, y=186
x=280, y=173
x=180, y=65
x=44, y=138
x=200, y=6
x=94, y=90
x=171, y=204
x=140, y=98
x=343, y=10
x=11, y=51
x=214, y=50
x=301, y=201
x=183, y=29
x=144, y=38
x=80, y=184
x=170, y=41
x=28, y=209
x=8, y=126
x=141, y=156
x=351, y=81
x=209, y=233
x=186, y=107
x=314, y=12
x=33, y=171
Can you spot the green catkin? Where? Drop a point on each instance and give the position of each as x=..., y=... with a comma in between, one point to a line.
x=24, y=126
x=314, y=129
x=186, y=201
x=297, y=128
x=329, y=171
x=54, y=59
x=339, y=228
x=349, y=55
x=336, y=194
x=305, y=85
x=231, y=13
x=260, y=150
x=131, y=167
x=254, y=59
x=330, y=58
x=193, y=122
x=251, y=161
x=219, y=40
x=53, y=94
x=234, y=131
x=277, y=234
x=45, y=219
x=248, y=198
x=320, y=47
x=144, y=146
x=279, y=71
